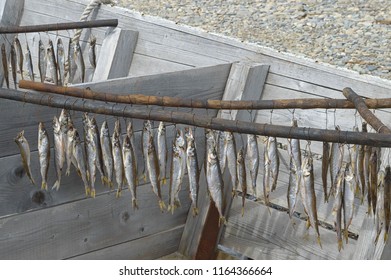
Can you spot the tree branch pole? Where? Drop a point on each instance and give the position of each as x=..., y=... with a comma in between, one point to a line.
x=363, y=110
x=167, y=101
x=59, y=26
x=127, y=111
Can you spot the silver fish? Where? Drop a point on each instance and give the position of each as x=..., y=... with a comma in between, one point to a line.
x=153, y=170
x=221, y=150
x=242, y=181
x=91, y=51
x=336, y=158
x=230, y=149
x=177, y=170
x=373, y=169
x=29, y=63
x=337, y=206
x=42, y=61
x=130, y=133
x=43, y=154
x=19, y=54
x=325, y=169
x=13, y=65
x=99, y=159
x=52, y=62
x=162, y=151
x=59, y=151
x=147, y=131
x=118, y=161
x=65, y=122
x=354, y=151
x=210, y=143
x=349, y=189
x=107, y=153
x=274, y=161
x=60, y=61
x=253, y=160
x=24, y=148
x=69, y=149
x=294, y=172
x=80, y=160
x=215, y=182
x=72, y=66
x=5, y=64
x=380, y=211
x=367, y=176
x=192, y=170
x=78, y=56
x=130, y=169
x=266, y=173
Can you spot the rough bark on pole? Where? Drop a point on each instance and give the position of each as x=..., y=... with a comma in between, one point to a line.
x=194, y=119
x=367, y=115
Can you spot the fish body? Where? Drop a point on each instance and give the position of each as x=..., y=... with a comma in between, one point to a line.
x=91, y=51
x=59, y=151
x=29, y=63
x=337, y=207
x=274, y=161
x=69, y=149
x=43, y=154
x=78, y=154
x=130, y=171
x=65, y=122
x=215, y=182
x=24, y=148
x=386, y=202
x=92, y=158
x=253, y=160
x=294, y=172
x=380, y=211
x=52, y=62
x=177, y=170
x=360, y=172
x=72, y=68
x=117, y=161
x=266, y=173
x=78, y=57
x=162, y=152
x=192, y=170
x=147, y=131
x=354, y=151
x=42, y=61
x=99, y=158
x=325, y=168
x=231, y=159
x=19, y=55
x=13, y=64
x=367, y=176
x=336, y=159
x=107, y=153
x=221, y=149
x=5, y=64
x=60, y=61
x=349, y=189
x=241, y=172
x=373, y=168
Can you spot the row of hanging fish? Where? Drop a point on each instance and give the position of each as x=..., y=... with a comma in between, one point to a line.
x=51, y=62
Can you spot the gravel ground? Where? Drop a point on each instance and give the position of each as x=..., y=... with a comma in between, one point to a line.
x=355, y=34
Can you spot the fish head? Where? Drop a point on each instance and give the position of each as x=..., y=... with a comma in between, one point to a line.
x=115, y=141
x=56, y=125
x=212, y=156
x=240, y=158
x=228, y=135
x=127, y=143
x=129, y=128
x=117, y=127
x=20, y=137
x=189, y=134
x=179, y=139
x=92, y=40
x=105, y=129
x=307, y=165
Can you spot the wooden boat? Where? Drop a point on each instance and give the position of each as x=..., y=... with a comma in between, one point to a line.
x=153, y=56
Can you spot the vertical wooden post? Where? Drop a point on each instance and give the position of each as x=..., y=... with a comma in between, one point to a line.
x=201, y=233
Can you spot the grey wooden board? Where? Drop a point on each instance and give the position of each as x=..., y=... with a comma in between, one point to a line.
x=260, y=235
x=10, y=14
x=146, y=248
x=76, y=228
x=116, y=54
x=237, y=88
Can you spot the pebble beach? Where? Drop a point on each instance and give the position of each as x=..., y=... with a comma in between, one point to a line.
x=354, y=34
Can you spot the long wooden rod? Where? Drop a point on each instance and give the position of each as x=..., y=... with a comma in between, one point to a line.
x=363, y=110
x=127, y=111
x=59, y=26
x=305, y=103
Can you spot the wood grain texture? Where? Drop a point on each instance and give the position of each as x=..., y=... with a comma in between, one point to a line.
x=116, y=54
x=76, y=228
x=137, y=249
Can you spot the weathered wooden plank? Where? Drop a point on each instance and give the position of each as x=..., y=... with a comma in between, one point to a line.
x=146, y=248
x=260, y=235
x=116, y=54
x=86, y=225
x=192, y=240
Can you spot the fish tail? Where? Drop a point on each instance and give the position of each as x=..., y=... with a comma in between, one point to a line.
x=88, y=175
x=118, y=194
x=134, y=203
x=87, y=190
x=308, y=223
x=319, y=242
x=162, y=205
x=68, y=171
x=222, y=221
x=339, y=245
x=145, y=177
x=44, y=185
x=385, y=237
x=369, y=210
x=56, y=185
x=195, y=211
x=105, y=180
x=164, y=181
x=177, y=203
x=93, y=193
x=346, y=235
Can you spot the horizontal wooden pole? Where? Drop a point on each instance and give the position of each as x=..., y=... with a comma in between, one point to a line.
x=59, y=26
x=167, y=101
x=199, y=120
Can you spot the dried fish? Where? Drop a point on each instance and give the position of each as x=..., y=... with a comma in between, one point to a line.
x=325, y=169
x=5, y=64
x=52, y=62
x=92, y=157
x=192, y=170
x=24, y=148
x=337, y=206
x=253, y=160
x=29, y=63
x=386, y=202
x=117, y=160
x=380, y=211
x=107, y=153
x=373, y=179
x=13, y=65
x=266, y=173
x=294, y=172
x=130, y=169
x=19, y=54
x=91, y=51
x=43, y=154
x=221, y=150
x=147, y=130
x=242, y=182
x=230, y=148
x=80, y=160
x=60, y=61
x=99, y=158
x=354, y=151
x=336, y=158
x=42, y=61
x=348, y=198
x=72, y=66
x=59, y=150
x=162, y=152
x=78, y=56
x=367, y=176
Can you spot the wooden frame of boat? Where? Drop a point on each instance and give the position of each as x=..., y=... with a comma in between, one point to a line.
x=152, y=56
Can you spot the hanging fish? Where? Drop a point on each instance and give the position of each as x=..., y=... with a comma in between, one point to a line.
x=349, y=189
x=78, y=56
x=367, y=176
x=336, y=159
x=59, y=151
x=242, y=181
x=266, y=173
x=386, y=202
x=19, y=54
x=60, y=61
x=118, y=161
x=177, y=170
x=294, y=172
x=162, y=152
x=380, y=211
x=107, y=153
x=253, y=160
x=192, y=170
x=91, y=51
x=373, y=180
x=210, y=143
x=221, y=150
x=130, y=169
x=13, y=65
x=360, y=166
x=325, y=168
x=52, y=62
x=230, y=150
x=79, y=157
x=215, y=182
x=130, y=133
x=72, y=66
x=43, y=154
x=147, y=130
x=99, y=159
x=337, y=207
x=24, y=148
x=42, y=61
x=65, y=122
x=354, y=151
x=5, y=64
